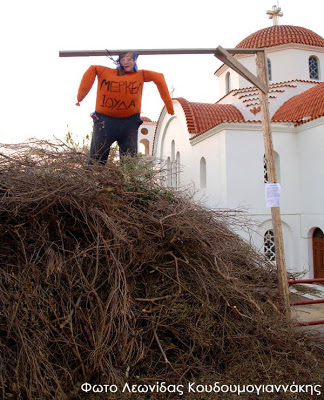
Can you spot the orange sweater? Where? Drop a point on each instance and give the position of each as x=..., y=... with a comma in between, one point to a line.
x=121, y=95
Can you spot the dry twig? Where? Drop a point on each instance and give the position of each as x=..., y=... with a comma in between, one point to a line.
x=81, y=249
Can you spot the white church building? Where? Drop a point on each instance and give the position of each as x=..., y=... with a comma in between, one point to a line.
x=218, y=150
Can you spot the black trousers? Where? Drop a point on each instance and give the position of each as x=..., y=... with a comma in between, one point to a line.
x=107, y=130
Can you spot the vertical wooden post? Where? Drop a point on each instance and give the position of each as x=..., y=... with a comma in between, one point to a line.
x=262, y=73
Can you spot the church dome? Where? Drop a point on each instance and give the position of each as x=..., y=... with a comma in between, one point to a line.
x=281, y=34
x=302, y=108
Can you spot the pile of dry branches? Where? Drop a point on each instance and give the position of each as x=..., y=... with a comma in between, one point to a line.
x=107, y=278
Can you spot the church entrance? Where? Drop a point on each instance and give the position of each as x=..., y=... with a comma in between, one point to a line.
x=318, y=253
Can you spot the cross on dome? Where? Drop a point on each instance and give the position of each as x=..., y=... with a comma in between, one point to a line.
x=274, y=14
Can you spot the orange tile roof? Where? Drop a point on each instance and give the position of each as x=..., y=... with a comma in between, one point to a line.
x=303, y=107
x=281, y=34
x=201, y=117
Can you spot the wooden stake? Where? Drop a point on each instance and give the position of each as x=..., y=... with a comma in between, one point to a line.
x=225, y=56
x=262, y=73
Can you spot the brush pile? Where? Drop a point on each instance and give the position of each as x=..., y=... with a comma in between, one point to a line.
x=108, y=278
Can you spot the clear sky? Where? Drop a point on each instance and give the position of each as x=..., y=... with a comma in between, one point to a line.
x=38, y=89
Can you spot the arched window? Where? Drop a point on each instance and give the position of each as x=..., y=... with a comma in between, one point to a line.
x=313, y=67
x=203, y=174
x=173, y=165
x=265, y=168
x=173, y=150
x=178, y=169
x=168, y=172
x=228, y=82
x=269, y=245
x=269, y=69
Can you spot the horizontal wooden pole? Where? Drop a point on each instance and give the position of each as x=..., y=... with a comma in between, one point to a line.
x=107, y=52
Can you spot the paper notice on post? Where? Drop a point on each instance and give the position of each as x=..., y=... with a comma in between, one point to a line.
x=272, y=194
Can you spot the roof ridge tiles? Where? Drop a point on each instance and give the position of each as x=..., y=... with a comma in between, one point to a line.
x=235, y=92
x=248, y=95
x=252, y=104
x=254, y=98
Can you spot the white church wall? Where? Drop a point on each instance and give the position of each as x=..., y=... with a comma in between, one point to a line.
x=300, y=61
x=280, y=58
x=250, y=64
x=311, y=155
x=306, y=252
x=222, y=87
x=234, y=81
x=244, y=164
x=295, y=61
x=263, y=223
x=169, y=129
x=213, y=149
x=245, y=186
x=285, y=145
x=244, y=151
x=181, y=145
x=237, y=81
x=308, y=223
x=292, y=243
x=235, y=170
